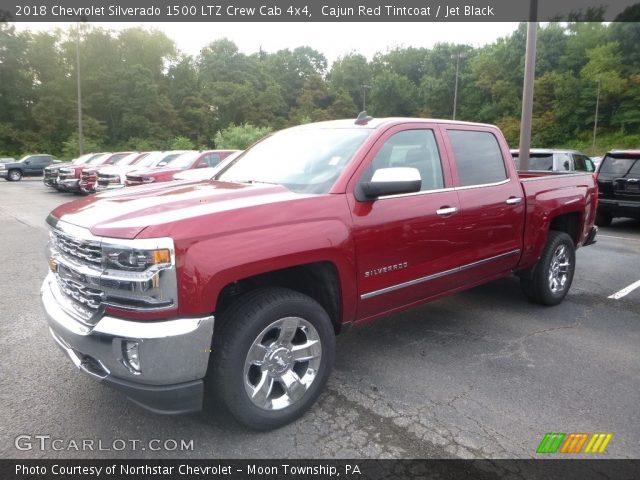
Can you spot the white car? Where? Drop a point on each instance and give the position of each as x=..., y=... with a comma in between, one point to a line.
x=197, y=174
x=113, y=176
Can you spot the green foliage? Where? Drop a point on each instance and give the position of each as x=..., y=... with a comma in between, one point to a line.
x=71, y=147
x=140, y=92
x=239, y=137
x=181, y=143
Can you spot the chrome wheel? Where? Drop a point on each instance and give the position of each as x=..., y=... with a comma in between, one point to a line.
x=282, y=363
x=15, y=175
x=559, y=269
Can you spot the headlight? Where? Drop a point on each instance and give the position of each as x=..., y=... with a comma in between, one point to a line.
x=2, y=166
x=123, y=258
x=148, y=179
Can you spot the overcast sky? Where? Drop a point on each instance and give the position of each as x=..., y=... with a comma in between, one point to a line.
x=331, y=39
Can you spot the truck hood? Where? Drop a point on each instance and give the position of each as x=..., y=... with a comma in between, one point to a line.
x=156, y=172
x=126, y=213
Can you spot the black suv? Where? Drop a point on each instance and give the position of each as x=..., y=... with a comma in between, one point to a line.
x=619, y=184
x=28, y=166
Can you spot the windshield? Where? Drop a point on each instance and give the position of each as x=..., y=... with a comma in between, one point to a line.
x=127, y=159
x=305, y=160
x=617, y=166
x=83, y=159
x=98, y=159
x=24, y=158
x=150, y=160
x=185, y=160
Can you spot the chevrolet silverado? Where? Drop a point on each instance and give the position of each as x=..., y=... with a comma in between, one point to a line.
x=238, y=285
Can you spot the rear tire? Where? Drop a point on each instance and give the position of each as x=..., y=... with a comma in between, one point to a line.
x=553, y=274
x=14, y=175
x=603, y=219
x=272, y=353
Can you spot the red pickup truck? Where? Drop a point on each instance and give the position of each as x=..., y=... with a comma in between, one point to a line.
x=238, y=285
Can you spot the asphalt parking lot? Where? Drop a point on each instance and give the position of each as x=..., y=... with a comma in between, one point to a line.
x=480, y=374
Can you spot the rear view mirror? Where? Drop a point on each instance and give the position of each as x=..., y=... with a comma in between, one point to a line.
x=390, y=181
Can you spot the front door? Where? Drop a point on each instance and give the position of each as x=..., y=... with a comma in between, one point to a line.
x=406, y=245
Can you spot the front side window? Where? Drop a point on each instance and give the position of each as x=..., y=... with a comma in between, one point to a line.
x=478, y=157
x=415, y=149
x=304, y=160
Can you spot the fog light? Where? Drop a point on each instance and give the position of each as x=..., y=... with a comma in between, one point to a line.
x=131, y=355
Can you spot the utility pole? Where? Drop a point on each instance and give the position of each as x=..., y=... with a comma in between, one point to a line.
x=80, y=133
x=527, y=90
x=458, y=56
x=595, y=122
x=364, y=96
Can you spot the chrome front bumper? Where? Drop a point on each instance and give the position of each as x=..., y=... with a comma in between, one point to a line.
x=174, y=354
x=69, y=184
x=111, y=186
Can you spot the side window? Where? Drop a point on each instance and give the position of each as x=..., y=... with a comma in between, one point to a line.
x=562, y=162
x=412, y=148
x=478, y=157
x=212, y=159
x=583, y=164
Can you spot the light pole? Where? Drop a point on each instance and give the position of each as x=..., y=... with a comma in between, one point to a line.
x=595, y=122
x=457, y=56
x=527, y=89
x=364, y=96
x=80, y=133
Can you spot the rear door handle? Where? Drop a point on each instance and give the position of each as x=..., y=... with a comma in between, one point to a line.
x=444, y=211
x=514, y=200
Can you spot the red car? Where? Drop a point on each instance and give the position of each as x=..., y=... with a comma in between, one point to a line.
x=238, y=286
x=185, y=161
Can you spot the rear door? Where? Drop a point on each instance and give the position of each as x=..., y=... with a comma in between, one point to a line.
x=406, y=245
x=491, y=202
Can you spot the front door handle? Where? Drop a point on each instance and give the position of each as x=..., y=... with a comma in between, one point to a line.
x=444, y=211
x=514, y=200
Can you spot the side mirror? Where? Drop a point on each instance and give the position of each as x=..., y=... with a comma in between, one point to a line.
x=390, y=181
x=202, y=165
x=162, y=164
x=27, y=162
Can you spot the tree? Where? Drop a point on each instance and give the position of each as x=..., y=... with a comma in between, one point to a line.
x=239, y=136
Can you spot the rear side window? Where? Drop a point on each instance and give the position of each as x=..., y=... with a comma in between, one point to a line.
x=616, y=166
x=478, y=157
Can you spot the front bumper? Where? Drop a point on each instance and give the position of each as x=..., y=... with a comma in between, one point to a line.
x=619, y=208
x=4, y=173
x=111, y=186
x=69, y=185
x=174, y=354
x=87, y=187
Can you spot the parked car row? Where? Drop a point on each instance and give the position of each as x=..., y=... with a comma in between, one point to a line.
x=95, y=172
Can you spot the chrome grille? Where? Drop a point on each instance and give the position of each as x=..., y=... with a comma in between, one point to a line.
x=85, y=296
x=80, y=251
x=104, y=179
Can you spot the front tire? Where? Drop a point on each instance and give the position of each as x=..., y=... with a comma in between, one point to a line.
x=15, y=175
x=553, y=274
x=271, y=356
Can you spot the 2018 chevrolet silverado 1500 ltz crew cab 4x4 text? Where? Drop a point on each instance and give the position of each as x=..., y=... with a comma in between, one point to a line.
x=238, y=285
